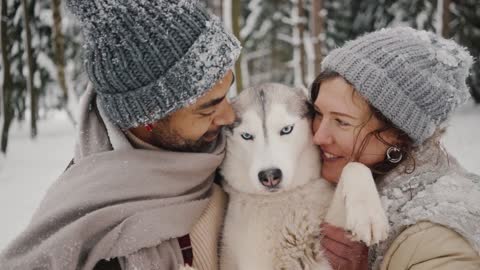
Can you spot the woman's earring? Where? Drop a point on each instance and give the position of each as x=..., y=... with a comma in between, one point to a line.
x=394, y=154
x=149, y=127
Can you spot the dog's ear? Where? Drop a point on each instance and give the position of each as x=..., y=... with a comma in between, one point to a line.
x=302, y=90
x=233, y=99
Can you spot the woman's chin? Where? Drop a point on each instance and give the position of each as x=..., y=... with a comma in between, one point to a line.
x=330, y=177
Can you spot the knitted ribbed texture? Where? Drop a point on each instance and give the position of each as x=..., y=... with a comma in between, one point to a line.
x=415, y=78
x=206, y=232
x=149, y=58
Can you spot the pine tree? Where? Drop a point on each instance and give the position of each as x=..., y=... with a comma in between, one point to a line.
x=14, y=94
x=339, y=22
x=267, y=41
x=30, y=88
x=466, y=24
x=236, y=20
x=317, y=28
x=7, y=113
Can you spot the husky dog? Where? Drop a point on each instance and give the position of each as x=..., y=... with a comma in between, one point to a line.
x=277, y=198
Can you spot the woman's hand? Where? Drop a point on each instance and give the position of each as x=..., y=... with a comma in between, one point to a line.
x=343, y=253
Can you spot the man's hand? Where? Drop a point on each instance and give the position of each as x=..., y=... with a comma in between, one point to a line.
x=342, y=252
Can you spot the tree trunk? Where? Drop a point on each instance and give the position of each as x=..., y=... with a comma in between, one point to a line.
x=236, y=16
x=30, y=87
x=59, y=50
x=215, y=6
x=446, y=19
x=298, y=24
x=317, y=30
x=219, y=8
x=301, y=31
x=7, y=78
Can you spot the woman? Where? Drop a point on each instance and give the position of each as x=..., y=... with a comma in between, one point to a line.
x=383, y=100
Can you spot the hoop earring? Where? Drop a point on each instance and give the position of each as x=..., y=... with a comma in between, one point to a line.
x=394, y=154
x=149, y=127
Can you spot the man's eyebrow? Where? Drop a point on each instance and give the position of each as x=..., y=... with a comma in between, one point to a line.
x=214, y=102
x=210, y=103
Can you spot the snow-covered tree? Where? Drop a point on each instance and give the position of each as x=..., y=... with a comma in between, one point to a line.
x=13, y=80
x=465, y=28
x=7, y=80
x=39, y=68
x=27, y=15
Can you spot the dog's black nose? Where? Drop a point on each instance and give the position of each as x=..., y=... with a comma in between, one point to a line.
x=270, y=178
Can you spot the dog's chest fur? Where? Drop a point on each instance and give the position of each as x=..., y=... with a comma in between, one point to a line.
x=276, y=231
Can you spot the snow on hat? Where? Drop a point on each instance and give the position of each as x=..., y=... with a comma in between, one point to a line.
x=414, y=78
x=149, y=58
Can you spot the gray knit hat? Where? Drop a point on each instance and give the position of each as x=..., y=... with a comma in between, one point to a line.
x=415, y=78
x=149, y=58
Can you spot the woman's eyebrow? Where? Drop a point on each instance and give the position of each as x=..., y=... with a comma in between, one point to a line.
x=335, y=113
x=344, y=114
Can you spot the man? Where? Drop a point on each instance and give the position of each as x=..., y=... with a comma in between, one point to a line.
x=139, y=193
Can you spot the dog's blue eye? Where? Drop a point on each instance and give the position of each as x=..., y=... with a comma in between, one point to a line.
x=286, y=130
x=247, y=136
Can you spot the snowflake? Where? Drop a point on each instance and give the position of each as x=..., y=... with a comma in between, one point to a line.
x=444, y=57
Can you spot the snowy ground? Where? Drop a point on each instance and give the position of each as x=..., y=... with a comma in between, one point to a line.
x=31, y=166
x=28, y=170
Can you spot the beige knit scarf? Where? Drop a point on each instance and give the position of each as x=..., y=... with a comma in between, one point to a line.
x=114, y=201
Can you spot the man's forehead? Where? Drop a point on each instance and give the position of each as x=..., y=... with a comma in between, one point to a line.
x=220, y=89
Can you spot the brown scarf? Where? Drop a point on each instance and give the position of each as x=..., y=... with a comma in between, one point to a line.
x=114, y=201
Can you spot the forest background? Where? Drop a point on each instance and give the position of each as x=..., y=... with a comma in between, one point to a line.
x=284, y=41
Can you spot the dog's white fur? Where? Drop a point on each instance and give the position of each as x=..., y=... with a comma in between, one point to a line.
x=280, y=228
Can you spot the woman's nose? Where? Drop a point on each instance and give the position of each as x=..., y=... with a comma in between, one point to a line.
x=322, y=135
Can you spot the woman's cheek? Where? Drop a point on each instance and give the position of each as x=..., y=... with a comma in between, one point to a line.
x=315, y=124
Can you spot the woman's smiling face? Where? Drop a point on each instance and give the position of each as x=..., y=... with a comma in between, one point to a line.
x=342, y=121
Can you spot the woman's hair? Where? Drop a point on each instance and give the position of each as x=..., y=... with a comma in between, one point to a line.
x=406, y=144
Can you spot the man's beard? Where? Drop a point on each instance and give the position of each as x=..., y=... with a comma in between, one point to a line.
x=170, y=140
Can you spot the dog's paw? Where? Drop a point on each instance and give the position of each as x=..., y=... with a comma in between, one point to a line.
x=369, y=226
x=365, y=216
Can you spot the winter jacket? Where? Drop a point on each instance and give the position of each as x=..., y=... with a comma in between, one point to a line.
x=434, y=213
x=428, y=246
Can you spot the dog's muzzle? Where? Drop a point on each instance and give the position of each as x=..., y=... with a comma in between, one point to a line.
x=270, y=178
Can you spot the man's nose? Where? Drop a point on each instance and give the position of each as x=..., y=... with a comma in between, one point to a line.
x=322, y=135
x=225, y=115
